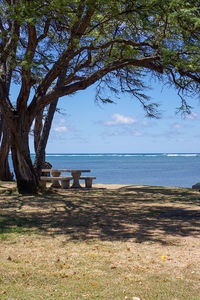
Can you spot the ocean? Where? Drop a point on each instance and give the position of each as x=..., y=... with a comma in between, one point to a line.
x=160, y=169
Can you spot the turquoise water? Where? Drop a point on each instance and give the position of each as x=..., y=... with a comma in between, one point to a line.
x=181, y=170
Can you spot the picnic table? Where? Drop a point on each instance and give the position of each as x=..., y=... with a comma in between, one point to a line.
x=76, y=176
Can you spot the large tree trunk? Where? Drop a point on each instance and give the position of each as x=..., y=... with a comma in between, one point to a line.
x=40, y=154
x=27, y=180
x=1, y=124
x=5, y=174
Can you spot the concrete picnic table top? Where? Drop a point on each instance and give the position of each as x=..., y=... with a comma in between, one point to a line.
x=64, y=170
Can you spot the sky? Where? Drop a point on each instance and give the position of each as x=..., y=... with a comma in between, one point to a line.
x=85, y=126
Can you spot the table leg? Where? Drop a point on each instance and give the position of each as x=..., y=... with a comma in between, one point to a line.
x=55, y=183
x=76, y=176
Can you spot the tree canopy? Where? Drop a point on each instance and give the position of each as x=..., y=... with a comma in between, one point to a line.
x=52, y=49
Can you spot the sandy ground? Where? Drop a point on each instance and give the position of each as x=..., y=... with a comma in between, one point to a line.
x=7, y=185
x=10, y=185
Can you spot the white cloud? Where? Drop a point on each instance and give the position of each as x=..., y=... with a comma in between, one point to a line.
x=61, y=129
x=137, y=133
x=62, y=121
x=192, y=116
x=177, y=126
x=118, y=119
x=60, y=126
x=181, y=140
x=144, y=123
x=127, y=132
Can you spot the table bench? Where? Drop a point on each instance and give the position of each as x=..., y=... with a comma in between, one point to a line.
x=64, y=180
x=88, y=180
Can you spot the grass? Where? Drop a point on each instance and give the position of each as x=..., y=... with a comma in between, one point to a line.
x=125, y=243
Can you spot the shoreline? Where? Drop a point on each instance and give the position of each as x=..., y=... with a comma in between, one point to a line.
x=110, y=186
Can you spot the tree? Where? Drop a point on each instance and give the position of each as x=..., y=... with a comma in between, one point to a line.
x=54, y=48
x=38, y=129
x=42, y=142
x=5, y=173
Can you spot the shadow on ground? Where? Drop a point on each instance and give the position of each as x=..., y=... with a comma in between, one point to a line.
x=152, y=214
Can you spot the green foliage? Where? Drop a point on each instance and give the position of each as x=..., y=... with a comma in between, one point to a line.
x=83, y=38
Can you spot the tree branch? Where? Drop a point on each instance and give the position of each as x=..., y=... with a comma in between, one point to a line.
x=26, y=69
x=149, y=63
x=66, y=56
x=1, y=26
x=12, y=41
x=190, y=75
x=45, y=32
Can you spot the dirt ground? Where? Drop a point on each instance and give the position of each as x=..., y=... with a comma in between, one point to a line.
x=148, y=236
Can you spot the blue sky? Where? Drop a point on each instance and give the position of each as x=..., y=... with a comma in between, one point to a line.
x=89, y=127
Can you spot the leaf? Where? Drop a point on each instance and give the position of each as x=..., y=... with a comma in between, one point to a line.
x=113, y=267
x=65, y=276
x=3, y=292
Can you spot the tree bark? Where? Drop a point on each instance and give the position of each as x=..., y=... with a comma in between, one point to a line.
x=40, y=154
x=1, y=125
x=5, y=173
x=27, y=180
x=38, y=129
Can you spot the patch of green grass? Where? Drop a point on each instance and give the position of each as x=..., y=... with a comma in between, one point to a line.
x=9, y=191
x=10, y=227
x=8, y=233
